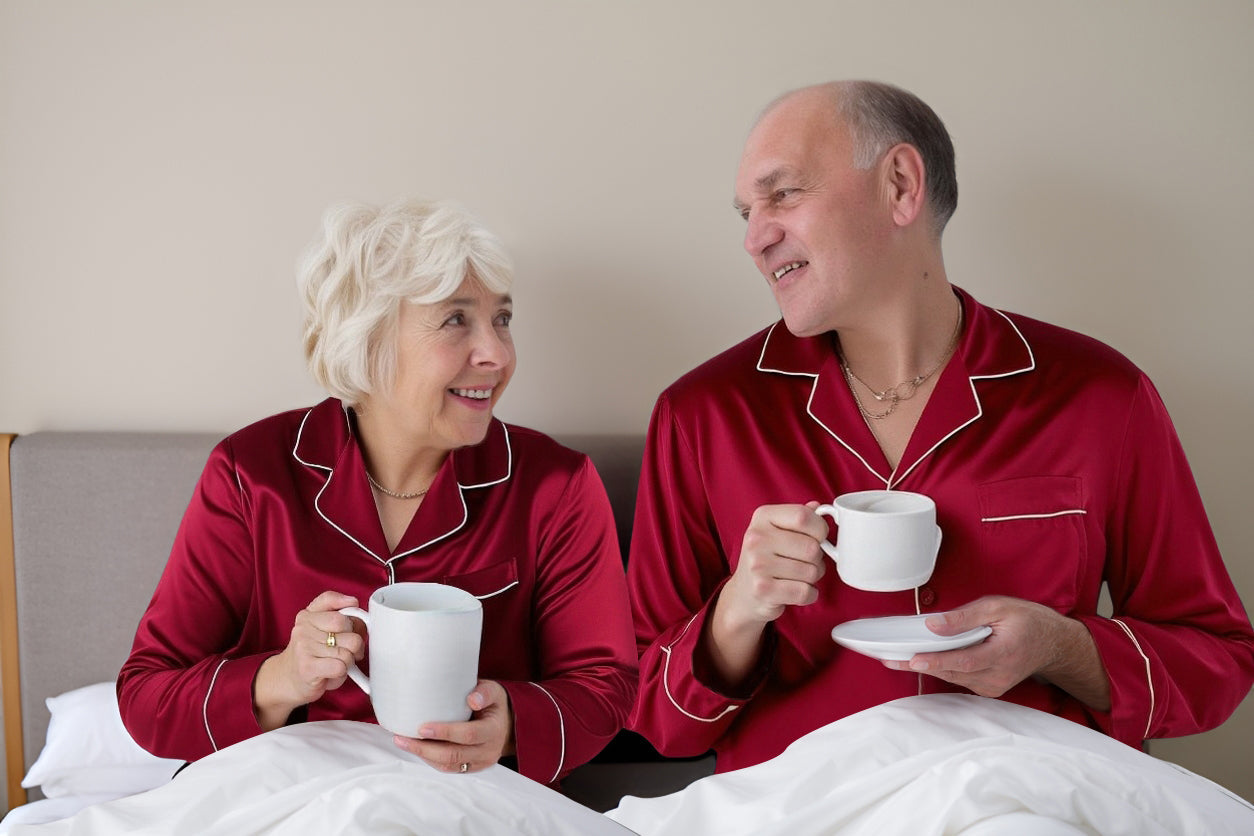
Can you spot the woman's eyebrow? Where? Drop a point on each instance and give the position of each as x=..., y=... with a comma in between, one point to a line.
x=471, y=301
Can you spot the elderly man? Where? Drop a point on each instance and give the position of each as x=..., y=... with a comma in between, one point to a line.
x=1052, y=461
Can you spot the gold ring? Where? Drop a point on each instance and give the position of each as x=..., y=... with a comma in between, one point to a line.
x=330, y=639
x=464, y=767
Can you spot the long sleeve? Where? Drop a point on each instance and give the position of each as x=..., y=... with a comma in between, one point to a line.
x=1055, y=469
x=675, y=571
x=181, y=693
x=283, y=512
x=1178, y=651
x=582, y=638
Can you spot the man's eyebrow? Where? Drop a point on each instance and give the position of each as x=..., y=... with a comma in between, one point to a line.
x=764, y=184
x=767, y=182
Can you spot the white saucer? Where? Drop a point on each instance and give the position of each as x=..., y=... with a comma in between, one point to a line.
x=898, y=637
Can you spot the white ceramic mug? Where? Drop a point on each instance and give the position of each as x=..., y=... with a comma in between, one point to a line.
x=424, y=654
x=888, y=540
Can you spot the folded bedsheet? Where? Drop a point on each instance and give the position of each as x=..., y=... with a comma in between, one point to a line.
x=333, y=777
x=948, y=764
x=936, y=764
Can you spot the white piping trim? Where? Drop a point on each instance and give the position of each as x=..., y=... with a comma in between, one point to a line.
x=1031, y=356
x=330, y=475
x=204, y=709
x=1149, y=679
x=918, y=610
x=1067, y=512
x=894, y=478
x=330, y=522
x=509, y=471
x=465, y=516
x=813, y=388
x=299, y=432
x=666, y=683
x=461, y=494
x=762, y=356
x=509, y=463
x=498, y=592
x=561, y=727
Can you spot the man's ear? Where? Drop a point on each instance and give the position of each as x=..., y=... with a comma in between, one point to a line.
x=906, y=182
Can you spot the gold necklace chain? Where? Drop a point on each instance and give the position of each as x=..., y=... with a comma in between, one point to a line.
x=891, y=394
x=394, y=494
x=875, y=416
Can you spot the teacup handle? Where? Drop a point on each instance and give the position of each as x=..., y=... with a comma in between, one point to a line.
x=833, y=512
x=354, y=672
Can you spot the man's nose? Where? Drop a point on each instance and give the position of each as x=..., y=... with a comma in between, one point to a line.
x=762, y=232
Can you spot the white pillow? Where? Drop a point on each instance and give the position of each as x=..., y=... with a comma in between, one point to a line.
x=89, y=751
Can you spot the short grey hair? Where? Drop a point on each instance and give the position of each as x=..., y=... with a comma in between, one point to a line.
x=879, y=116
x=367, y=261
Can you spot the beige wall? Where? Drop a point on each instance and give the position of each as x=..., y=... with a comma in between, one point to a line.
x=162, y=163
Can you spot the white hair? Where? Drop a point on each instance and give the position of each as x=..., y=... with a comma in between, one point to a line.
x=369, y=260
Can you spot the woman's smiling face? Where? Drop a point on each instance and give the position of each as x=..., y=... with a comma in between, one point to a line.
x=453, y=361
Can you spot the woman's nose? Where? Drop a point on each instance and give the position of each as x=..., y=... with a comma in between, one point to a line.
x=492, y=348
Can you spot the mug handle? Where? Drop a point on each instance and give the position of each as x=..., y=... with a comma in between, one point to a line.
x=354, y=672
x=833, y=512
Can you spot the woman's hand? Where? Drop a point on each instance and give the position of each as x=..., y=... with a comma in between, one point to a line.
x=309, y=666
x=476, y=744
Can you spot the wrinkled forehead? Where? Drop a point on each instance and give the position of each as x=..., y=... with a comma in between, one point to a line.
x=797, y=137
x=473, y=292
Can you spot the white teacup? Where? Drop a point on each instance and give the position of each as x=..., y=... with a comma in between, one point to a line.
x=888, y=540
x=424, y=654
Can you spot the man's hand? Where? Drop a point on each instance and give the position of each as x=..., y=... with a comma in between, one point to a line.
x=1028, y=639
x=780, y=563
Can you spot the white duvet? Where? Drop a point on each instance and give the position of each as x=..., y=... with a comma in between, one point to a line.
x=335, y=777
x=937, y=764
x=948, y=764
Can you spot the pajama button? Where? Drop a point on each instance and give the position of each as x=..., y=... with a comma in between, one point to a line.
x=927, y=596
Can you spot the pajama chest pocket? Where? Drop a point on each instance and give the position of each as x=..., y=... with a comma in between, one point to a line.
x=488, y=582
x=1033, y=539
x=506, y=617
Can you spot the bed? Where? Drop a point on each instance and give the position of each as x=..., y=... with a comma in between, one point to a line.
x=85, y=532
x=919, y=766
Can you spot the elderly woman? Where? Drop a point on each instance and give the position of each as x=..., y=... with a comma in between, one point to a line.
x=403, y=475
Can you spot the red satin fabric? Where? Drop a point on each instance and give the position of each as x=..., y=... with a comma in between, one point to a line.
x=283, y=512
x=1054, y=466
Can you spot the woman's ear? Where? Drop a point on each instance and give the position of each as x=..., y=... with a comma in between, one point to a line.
x=906, y=183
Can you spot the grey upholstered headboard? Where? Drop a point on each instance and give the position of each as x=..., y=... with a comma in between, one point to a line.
x=93, y=518
x=94, y=515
